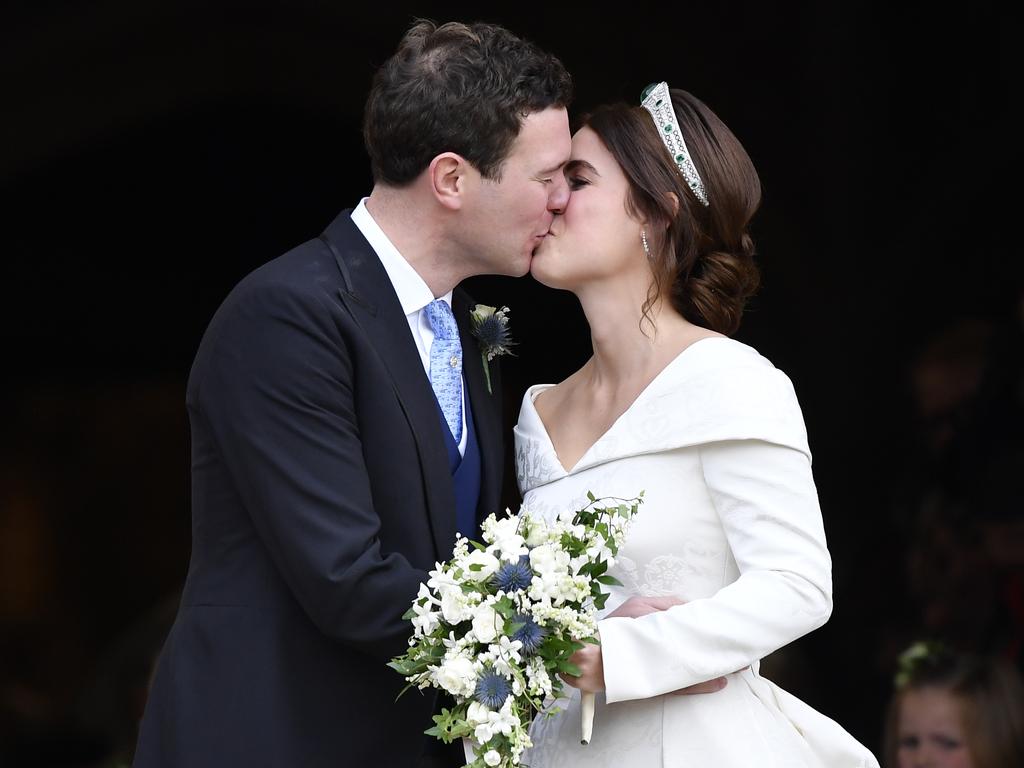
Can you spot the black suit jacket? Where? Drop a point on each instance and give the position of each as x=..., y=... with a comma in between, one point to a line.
x=321, y=495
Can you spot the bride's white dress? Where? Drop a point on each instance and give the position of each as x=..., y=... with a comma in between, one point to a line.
x=731, y=524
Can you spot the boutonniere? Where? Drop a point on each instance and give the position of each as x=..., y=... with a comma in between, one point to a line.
x=490, y=326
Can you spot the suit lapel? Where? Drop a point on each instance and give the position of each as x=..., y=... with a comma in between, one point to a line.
x=374, y=305
x=485, y=409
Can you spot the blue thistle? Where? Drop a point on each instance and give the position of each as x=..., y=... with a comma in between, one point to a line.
x=513, y=577
x=492, y=331
x=492, y=689
x=490, y=326
x=531, y=634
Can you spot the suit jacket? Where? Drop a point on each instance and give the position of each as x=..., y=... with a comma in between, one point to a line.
x=321, y=495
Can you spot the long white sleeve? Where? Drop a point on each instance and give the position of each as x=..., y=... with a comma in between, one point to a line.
x=766, y=500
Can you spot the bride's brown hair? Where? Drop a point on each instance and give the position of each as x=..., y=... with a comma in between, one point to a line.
x=702, y=256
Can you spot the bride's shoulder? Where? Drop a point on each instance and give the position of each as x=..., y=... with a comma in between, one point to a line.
x=722, y=389
x=721, y=357
x=729, y=374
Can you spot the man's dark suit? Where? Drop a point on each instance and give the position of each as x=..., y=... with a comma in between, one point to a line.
x=321, y=494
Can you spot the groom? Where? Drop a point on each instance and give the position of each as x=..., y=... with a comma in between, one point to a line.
x=342, y=430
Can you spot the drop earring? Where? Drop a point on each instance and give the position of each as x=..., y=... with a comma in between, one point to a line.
x=643, y=239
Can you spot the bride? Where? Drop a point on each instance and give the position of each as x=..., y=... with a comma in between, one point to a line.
x=654, y=243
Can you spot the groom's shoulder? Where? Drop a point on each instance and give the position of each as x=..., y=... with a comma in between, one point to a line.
x=301, y=284
x=306, y=268
x=308, y=271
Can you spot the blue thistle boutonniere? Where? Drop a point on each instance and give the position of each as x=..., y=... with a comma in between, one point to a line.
x=490, y=326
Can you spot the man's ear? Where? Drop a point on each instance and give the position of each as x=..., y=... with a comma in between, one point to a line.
x=447, y=179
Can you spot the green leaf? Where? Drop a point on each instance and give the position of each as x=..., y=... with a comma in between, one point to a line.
x=407, y=687
x=569, y=668
x=609, y=580
x=505, y=607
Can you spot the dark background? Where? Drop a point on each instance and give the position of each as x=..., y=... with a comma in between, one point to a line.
x=154, y=152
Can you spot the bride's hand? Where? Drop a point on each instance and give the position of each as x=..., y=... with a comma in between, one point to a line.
x=591, y=678
x=638, y=606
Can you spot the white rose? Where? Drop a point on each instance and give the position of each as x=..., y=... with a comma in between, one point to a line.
x=477, y=713
x=488, y=565
x=485, y=624
x=492, y=757
x=454, y=606
x=457, y=676
x=537, y=533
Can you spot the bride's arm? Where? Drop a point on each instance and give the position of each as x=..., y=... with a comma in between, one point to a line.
x=765, y=496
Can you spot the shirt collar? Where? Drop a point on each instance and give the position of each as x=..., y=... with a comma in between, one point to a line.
x=413, y=292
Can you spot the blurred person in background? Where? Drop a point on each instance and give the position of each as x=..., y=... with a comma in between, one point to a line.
x=954, y=710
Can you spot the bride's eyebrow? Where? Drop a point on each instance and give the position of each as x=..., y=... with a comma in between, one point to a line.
x=580, y=165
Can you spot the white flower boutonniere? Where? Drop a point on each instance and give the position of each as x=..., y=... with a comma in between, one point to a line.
x=490, y=327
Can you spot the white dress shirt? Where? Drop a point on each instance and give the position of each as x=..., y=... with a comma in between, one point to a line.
x=413, y=293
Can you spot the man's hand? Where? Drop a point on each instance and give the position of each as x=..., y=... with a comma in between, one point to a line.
x=589, y=659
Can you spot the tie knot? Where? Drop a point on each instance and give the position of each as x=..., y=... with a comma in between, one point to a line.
x=441, y=319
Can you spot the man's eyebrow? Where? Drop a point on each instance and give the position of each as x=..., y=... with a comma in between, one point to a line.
x=576, y=165
x=553, y=169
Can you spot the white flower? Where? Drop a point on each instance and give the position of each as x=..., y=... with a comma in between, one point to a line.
x=477, y=713
x=502, y=721
x=536, y=532
x=440, y=578
x=486, y=624
x=425, y=621
x=505, y=536
x=488, y=565
x=492, y=757
x=457, y=675
x=507, y=649
x=555, y=588
x=547, y=559
x=540, y=681
x=566, y=516
x=454, y=606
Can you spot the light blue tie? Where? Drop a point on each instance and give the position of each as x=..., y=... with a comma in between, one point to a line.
x=446, y=364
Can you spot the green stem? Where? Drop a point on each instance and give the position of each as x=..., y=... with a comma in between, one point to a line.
x=487, y=371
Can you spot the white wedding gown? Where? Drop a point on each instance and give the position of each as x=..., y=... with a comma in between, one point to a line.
x=730, y=524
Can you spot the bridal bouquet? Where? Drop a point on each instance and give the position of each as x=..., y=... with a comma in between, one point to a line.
x=496, y=624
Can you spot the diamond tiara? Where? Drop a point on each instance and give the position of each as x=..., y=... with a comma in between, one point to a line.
x=657, y=100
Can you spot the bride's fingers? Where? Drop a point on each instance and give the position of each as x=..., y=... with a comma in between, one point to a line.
x=709, y=686
x=663, y=603
x=635, y=607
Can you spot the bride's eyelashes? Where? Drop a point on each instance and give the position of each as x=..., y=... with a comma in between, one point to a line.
x=575, y=182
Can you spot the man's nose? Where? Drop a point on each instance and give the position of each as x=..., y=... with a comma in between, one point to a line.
x=559, y=196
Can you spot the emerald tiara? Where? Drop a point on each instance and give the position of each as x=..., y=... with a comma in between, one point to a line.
x=657, y=100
